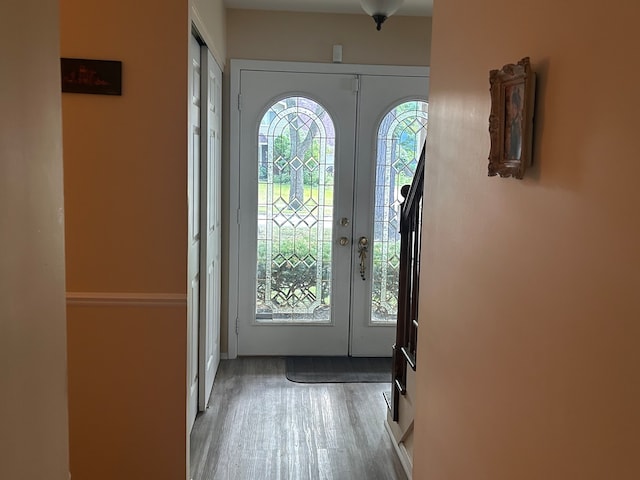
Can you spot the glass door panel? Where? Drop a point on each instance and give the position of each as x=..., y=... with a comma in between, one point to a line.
x=401, y=135
x=296, y=151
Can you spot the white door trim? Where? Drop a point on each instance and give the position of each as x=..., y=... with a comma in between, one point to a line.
x=236, y=66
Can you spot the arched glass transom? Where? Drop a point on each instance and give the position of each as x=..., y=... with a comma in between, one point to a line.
x=295, y=161
x=399, y=143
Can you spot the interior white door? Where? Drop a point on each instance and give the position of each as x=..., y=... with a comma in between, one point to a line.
x=392, y=127
x=193, y=224
x=297, y=145
x=211, y=125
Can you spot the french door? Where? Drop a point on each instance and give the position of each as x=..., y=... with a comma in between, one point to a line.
x=323, y=153
x=392, y=127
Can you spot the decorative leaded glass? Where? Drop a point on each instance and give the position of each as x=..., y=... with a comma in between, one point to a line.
x=401, y=135
x=296, y=149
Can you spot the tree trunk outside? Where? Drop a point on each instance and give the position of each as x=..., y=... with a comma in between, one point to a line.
x=299, y=148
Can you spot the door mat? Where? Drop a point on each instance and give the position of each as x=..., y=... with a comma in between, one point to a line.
x=338, y=369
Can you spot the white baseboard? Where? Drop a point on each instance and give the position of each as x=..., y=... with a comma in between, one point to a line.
x=403, y=456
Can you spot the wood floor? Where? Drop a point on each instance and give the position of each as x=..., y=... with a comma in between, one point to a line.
x=261, y=426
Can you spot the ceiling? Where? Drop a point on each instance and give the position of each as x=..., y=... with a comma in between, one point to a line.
x=409, y=7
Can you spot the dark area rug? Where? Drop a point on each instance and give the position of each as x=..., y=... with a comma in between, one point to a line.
x=338, y=369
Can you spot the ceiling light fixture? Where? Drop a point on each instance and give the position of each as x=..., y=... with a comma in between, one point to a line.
x=380, y=10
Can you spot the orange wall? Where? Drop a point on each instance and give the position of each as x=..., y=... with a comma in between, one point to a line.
x=125, y=157
x=529, y=358
x=126, y=230
x=127, y=392
x=33, y=389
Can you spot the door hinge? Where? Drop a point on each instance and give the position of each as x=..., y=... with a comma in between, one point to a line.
x=356, y=84
x=237, y=331
x=238, y=216
x=239, y=101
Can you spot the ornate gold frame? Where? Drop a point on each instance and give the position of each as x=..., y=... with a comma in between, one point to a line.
x=511, y=119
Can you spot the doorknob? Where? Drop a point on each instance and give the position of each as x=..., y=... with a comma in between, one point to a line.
x=363, y=245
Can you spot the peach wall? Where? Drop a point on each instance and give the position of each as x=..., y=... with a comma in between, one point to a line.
x=309, y=37
x=33, y=399
x=209, y=17
x=126, y=227
x=528, y=348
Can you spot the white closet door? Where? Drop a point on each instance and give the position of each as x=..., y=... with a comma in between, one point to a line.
x=193, y=254
x=211, y=118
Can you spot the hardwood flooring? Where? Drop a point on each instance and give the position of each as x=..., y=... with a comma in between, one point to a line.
x=260, y=426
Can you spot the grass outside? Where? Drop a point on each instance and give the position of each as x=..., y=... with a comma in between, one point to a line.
x=282, y=190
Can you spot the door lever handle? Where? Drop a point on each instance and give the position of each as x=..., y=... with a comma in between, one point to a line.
x=363, y=245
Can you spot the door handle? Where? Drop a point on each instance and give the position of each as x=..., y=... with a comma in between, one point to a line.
x=363, y=245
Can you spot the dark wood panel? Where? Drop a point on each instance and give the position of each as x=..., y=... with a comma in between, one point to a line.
x=261, y=426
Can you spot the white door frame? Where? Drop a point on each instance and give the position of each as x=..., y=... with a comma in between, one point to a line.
x=236, y=66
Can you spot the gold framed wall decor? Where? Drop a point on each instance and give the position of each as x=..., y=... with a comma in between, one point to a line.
x=511, y=119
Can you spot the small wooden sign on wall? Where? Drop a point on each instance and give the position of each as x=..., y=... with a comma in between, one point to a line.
x=99, y=77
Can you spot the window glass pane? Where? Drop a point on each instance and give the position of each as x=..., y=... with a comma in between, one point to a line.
x=401, y=135
x=296, y=148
